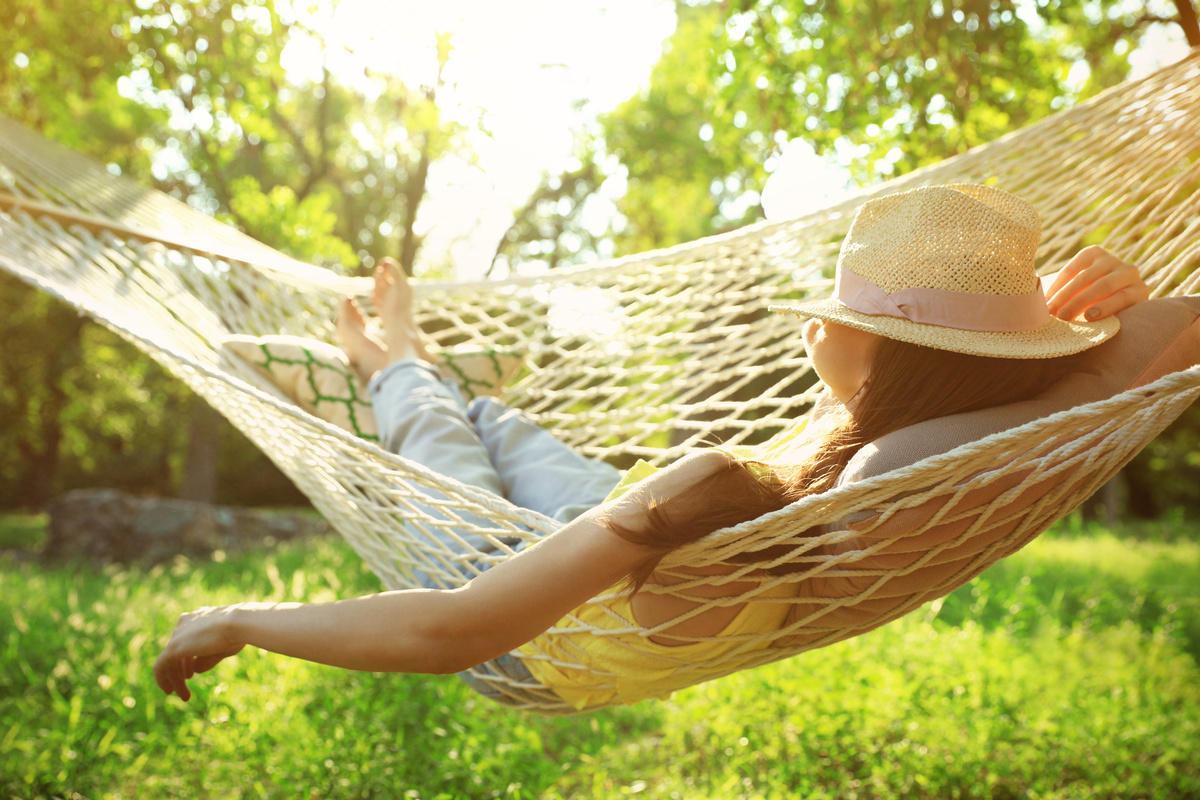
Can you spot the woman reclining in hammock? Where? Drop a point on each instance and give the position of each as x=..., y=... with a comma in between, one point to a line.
x=937, y=311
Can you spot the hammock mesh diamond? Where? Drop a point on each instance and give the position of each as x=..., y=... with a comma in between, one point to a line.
x=649, y=357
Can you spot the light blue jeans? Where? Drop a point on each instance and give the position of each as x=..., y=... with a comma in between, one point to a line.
x=488, y=445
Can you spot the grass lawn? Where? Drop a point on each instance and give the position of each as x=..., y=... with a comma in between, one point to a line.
x=1068, y=671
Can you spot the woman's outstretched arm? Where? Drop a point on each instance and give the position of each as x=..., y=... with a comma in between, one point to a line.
x=436, y=631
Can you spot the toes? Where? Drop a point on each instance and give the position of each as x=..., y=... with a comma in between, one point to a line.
x=354, y=313
x=383, y=280
x=391, y=286
x=390, y=273
x=349, y=315
x=386, y=270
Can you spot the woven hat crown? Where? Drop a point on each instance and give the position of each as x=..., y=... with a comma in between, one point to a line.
x=952, y=268
x=959, y=238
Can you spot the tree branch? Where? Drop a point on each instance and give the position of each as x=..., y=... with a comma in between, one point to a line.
x=1188, y=21
x=414, y=192
x=321, y=169
x=296, y=136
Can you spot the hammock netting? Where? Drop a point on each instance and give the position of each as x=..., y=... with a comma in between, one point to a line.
x=650, y=357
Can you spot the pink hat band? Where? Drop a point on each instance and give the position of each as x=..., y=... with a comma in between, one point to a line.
x=966, y=311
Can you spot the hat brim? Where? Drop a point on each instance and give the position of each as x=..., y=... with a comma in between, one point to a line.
x=1056, y=338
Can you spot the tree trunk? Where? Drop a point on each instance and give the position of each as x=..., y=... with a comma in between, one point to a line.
x=1142, y=499
x=199, y=479
x=414, y=192
x=40, y=451
x=1188, y=21
x=1108, y=503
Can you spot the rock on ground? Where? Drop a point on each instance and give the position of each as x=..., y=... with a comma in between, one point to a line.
x=108, y=526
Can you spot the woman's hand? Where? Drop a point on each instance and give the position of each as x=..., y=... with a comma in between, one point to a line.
x=199, y=643
x=1095, y=284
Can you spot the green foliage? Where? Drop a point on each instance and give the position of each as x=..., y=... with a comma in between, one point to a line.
x=303, y=228
x=901, y=84
x=1062, y=673
x=40, y=345
x=550, y=229
x=84, y=408
x=121, y=419
x=883, y=89
x=237, y=119
x=249, y=478
x=191, y=97
x=23, y=533
x=1164, y=476
x=1087, y=579
x=661, y=164
x=59, y=73
x=689, y=165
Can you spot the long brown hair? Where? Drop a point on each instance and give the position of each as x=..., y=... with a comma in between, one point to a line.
x=906, y=384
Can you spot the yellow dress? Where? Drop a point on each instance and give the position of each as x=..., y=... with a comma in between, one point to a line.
x=599, y=653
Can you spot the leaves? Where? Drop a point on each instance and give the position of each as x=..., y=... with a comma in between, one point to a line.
x=192, y=97
x=926, y=80
x=881, y=88
x=300, y=228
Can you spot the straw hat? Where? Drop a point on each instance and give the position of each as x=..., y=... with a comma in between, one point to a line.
x=952, y=268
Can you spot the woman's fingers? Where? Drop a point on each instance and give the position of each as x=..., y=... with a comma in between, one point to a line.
x=181, y=675
x=384, y=277
x=197, y=645
x=205, y=663
x=1095, y=284
x=1115, y=303
x=170, y=676
x=1089, y=294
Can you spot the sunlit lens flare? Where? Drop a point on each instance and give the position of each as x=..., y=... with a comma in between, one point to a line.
x=586, y=313
x=802, y=182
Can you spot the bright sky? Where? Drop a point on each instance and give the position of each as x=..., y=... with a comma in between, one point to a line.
x=538, y=68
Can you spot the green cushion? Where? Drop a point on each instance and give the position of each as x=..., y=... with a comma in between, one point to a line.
x=317, y=376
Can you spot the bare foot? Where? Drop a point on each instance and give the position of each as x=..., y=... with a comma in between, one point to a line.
x=393, y=302
x=367, y=354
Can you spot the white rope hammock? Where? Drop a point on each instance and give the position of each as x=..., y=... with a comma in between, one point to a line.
x=677, y=350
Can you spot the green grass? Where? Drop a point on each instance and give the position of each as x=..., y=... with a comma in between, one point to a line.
x=25, y=533
x=1068, y=671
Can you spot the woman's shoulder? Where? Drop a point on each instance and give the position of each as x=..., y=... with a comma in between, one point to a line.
x=1157, y=337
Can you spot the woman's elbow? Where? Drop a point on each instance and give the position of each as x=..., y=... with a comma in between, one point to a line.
x=458, y=642
x=425, y=653
x=450, y=656
x=449, y=662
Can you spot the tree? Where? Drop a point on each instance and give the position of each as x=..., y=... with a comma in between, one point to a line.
x=62, y=73
x=325, y=171
x=901, y=83
x=40, y=341
x=882, y=87
x=550, y=228
x=192, y=97
x=671, y=172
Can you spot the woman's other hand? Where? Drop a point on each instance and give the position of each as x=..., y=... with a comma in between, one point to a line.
x=1095, y=284
x=199, y=643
